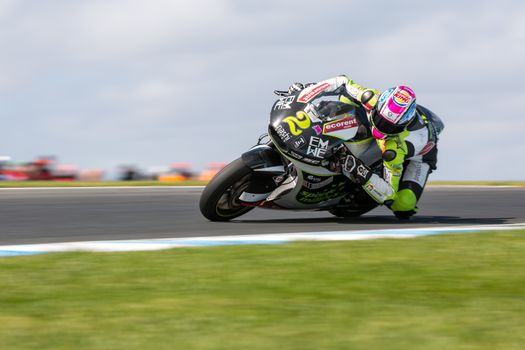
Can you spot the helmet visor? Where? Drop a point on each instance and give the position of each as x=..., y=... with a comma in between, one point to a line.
x=384, y=126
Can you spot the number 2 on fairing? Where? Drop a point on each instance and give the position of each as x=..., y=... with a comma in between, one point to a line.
x=300, y=121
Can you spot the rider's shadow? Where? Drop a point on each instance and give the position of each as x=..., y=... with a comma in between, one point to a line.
x=388, y=220
x=427, y=219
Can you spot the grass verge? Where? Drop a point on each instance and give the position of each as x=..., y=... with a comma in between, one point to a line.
x=440, y=292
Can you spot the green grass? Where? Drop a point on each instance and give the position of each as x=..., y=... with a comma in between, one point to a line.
x=440, y=292
x=23, y=184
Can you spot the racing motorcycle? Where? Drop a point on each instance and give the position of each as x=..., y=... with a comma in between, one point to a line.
x=295, y=165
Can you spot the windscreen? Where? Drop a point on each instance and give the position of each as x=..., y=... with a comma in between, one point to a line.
x=330, y=108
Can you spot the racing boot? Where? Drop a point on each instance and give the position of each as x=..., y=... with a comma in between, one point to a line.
x=404, y=205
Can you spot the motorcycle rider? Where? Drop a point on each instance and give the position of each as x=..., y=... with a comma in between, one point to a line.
x=406, y=134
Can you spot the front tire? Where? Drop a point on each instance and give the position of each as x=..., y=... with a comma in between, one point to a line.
x=220, y=199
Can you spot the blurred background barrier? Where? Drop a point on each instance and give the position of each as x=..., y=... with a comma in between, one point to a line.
x=47, y=168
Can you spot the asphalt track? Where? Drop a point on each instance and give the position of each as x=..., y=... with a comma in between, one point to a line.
x=89, y=214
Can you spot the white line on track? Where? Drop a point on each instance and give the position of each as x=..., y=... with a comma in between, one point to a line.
x=277, y=238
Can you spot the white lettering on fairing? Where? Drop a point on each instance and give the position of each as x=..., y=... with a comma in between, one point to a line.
x=317, y=147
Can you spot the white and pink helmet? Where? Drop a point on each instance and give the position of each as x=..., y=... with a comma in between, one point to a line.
x=395, y=109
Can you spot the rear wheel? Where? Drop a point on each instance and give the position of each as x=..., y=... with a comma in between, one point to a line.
x=220, y=199
x=348, y=213
x=360, y=203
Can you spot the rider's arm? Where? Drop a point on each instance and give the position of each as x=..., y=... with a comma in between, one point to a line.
x=358, y=94
x=354, y=94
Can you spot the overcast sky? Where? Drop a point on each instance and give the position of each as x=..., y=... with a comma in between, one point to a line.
x=100, y=83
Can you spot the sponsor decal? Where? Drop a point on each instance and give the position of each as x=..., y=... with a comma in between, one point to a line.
x=428, y=147
x=402, y=98
x=331, y=191
x=374, y=193
x=313, y=178
x=408, y=114
x=317, y=129
x=308, y=94
x=283, y=134
x=344, y=128
x=387, y=174
x=299, y=142
x=298, y=123
x=362, y=171
x=391, y=116
x=317, y=185
x=339, y=125
x=284, y=103
x=317, y=147
x=353, y=91
x=417, y=172
x=384, y=95
x=278, y=179
x=296, y=155
x=311, y=161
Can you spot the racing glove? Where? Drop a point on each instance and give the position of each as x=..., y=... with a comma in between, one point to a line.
x=295, y=87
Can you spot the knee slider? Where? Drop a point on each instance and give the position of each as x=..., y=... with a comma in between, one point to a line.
x=405, y=200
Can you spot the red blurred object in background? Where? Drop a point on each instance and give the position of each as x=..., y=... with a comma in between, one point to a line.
x=210, y=171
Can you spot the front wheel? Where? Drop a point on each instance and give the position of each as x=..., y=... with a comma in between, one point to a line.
x=220, y=198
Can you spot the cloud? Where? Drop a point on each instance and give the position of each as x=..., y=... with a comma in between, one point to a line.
x=104, y=81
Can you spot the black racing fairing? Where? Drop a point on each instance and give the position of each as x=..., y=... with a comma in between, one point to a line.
x=261, y=157
x=308, y=132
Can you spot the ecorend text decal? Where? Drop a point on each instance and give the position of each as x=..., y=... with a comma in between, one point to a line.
x=341, y=124
x=284, y=103
x=298, y=123
x=312, y=92
x=317, y=147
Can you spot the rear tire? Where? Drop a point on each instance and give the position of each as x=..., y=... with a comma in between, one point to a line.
x=220, y=199
x=342, y=213
x=361, y=204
